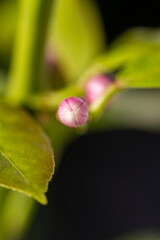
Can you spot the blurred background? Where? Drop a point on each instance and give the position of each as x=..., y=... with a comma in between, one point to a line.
x=107, y=185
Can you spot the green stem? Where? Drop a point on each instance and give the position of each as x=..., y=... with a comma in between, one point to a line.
x=98, y=106
x=50, y=101
x=28, y=54
x=19, y=205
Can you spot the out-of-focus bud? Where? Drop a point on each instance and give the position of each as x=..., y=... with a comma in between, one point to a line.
x=53, y=69
x=96, y=86
x=73, y=112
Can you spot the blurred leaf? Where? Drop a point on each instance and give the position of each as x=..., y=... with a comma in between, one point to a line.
x=118, y=57
x=146, y=235
x=76, y=34
x=138, y=34
x=128, y=46
x=143, y=71
x=135, y=58
x=8, y=11
x=26, y=159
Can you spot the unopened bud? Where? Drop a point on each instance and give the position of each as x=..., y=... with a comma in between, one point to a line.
x=73, y=112
x=96, y=87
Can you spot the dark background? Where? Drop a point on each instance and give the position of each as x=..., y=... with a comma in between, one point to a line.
x=119, y=15
x=108, y=183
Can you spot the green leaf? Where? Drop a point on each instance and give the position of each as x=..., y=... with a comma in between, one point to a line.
x=128, y=46
x=76, y=35
x=138, y=34
x=116, y=58
x=135, y=57
x=139, y=64
x=143, y=71
x=26, y=158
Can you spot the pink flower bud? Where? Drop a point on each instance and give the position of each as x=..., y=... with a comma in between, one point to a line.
x=73, y=112
x=95, y=87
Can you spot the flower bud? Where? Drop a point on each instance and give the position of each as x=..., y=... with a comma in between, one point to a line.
x=73, y=112
x=96, y=86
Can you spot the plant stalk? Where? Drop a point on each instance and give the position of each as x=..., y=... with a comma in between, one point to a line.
x=27, y=66
x=98, y=106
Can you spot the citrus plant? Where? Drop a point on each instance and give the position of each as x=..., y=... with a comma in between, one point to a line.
x=56, y=69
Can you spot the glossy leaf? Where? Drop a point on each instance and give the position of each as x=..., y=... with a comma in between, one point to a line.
x=76, y=35
x=26, y=158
